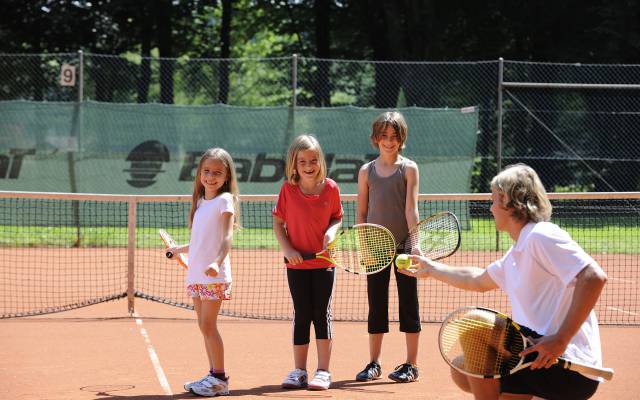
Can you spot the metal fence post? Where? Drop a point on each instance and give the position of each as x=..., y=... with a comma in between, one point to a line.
x=499, y=130
x=80, y=76
x=74, y=146
x=294, y=80
x=292, y=108
x=80, y=97
x=500, y=114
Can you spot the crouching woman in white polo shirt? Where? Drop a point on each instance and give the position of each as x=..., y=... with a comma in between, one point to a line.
x=552, y=285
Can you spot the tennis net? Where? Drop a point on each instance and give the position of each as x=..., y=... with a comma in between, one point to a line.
x=64, y=251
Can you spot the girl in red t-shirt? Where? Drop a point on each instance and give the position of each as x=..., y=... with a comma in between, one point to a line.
x=305, y=219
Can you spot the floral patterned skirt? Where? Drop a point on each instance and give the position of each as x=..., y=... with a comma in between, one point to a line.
x=210, y=291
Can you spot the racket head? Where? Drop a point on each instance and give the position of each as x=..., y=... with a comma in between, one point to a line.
x=169, y=242
x=362, y=249
x=481, y=342
x=438, y=236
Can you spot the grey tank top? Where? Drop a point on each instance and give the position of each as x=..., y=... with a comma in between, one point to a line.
x=387, y=200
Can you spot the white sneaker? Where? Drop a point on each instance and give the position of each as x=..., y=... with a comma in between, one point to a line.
x=210, y=387
x=187, y=386
x=296, y=379
x=321, y=380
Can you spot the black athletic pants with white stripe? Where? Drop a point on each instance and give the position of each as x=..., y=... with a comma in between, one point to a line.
x=312, y=292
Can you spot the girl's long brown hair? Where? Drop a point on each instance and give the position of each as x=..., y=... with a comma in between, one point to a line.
x=230, y=186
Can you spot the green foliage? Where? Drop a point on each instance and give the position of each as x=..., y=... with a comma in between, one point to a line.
x=601, y=32
x=589, y=187
x=609, y=238
x=421, y=30
x=265, y=43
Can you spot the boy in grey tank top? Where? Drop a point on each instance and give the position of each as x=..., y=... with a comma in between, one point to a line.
x=388, y=196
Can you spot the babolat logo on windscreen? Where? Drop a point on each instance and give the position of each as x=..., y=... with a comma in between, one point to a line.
x=265, y=168
x=146, y=162
x=147, y=159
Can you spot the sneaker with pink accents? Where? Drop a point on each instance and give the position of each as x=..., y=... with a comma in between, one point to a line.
x=211, y=387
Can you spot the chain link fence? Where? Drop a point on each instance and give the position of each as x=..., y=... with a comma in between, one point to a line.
x=578, y=125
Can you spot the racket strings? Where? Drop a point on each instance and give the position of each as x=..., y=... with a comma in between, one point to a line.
x=473, y=342
x=479, y=346
x=376, y=248
x=437, y=237
x=365, y=249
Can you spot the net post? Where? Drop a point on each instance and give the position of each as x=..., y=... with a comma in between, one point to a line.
x=131, y=253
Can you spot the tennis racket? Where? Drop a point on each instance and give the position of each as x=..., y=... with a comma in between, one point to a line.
x=361, y=249
x=484, y=343
x=437, y=236
x=182, y=259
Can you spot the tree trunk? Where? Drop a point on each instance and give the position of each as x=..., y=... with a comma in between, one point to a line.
x=144, y=77
x=322, y=89
x=387, y=76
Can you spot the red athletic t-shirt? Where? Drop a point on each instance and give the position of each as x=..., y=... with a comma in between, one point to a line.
x=307, y=218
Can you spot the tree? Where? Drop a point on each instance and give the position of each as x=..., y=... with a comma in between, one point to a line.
x=322, y=92
x=144, y=75
x=225, y=45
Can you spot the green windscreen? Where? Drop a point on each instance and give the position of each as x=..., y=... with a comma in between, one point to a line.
x=154, y=149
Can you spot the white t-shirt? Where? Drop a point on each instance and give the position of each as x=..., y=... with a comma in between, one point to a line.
x=206, y=237
x=538, y=274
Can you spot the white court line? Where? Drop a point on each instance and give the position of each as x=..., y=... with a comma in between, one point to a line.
x=623, y=311
x=154, y=358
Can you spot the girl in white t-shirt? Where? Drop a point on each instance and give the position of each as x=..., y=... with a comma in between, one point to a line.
x=552, y=285
x=214, y=214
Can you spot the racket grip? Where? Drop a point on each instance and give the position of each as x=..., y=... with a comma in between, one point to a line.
x=304, y=257
x=606, y=373
x=169, y=254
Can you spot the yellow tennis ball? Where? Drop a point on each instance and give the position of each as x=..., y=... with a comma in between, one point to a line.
x=403, y=261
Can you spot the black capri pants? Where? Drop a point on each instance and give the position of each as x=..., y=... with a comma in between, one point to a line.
x=378, y=295
x=311, y=292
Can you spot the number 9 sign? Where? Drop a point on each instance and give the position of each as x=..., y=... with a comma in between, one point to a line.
x=67, y=75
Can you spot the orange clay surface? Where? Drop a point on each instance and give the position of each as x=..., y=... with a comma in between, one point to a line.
x=101, y=352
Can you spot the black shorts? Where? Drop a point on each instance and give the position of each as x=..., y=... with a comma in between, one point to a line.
x=554, y=383
x=549, y=383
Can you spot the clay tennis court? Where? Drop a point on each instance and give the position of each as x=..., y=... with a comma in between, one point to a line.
x=102, y=352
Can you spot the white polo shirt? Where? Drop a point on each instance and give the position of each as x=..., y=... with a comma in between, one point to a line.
x=538, y=274
x=206, y=237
